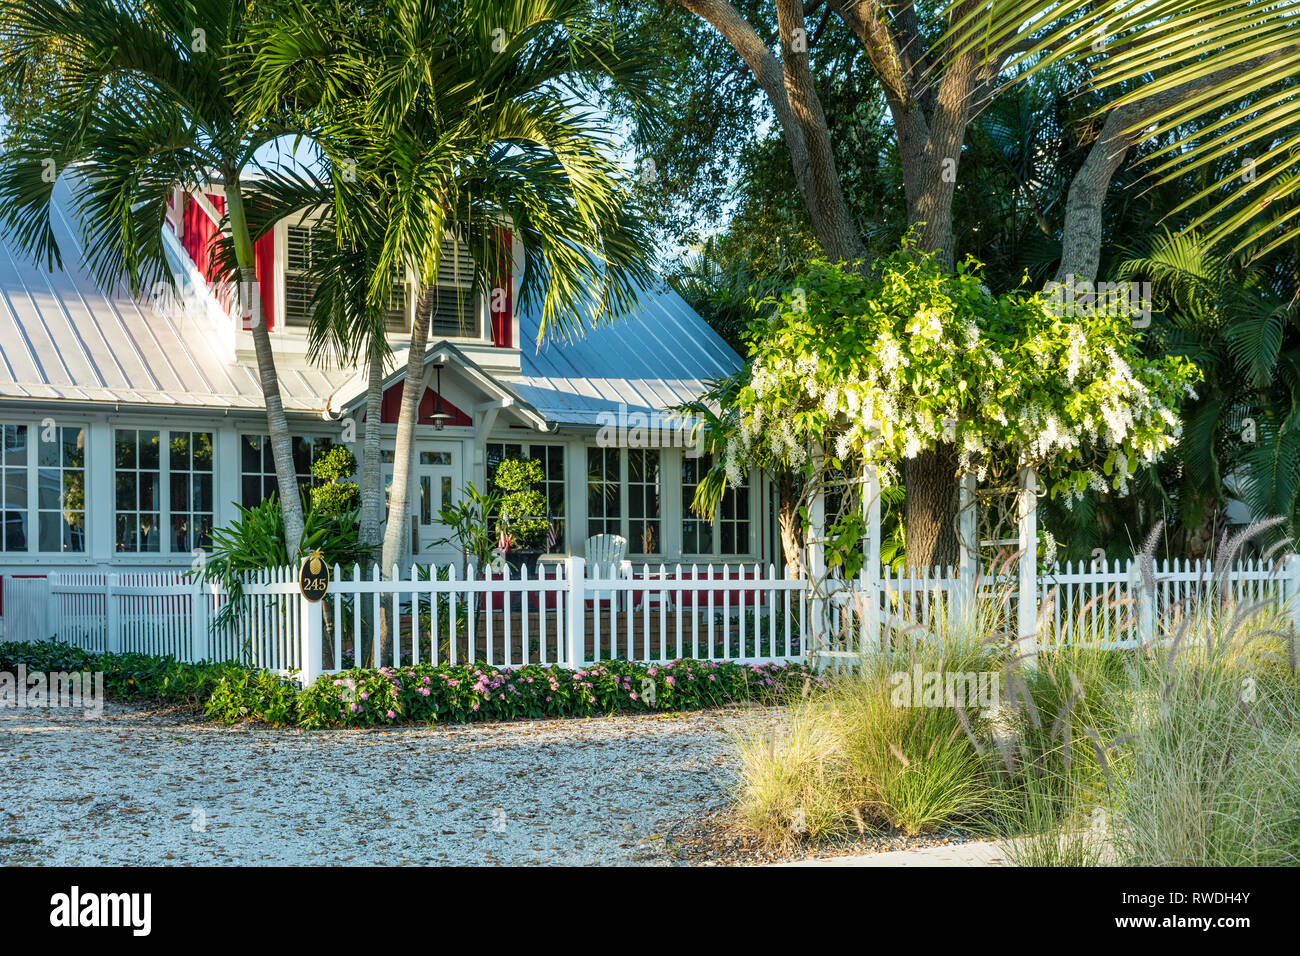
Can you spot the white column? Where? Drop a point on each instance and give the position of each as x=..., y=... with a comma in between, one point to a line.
x=671, y=505
x=575, y=495
x=101, y=482
x=1027, y=624
x=226, y=489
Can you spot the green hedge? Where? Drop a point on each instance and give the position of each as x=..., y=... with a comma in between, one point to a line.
x=131, y=677
x=423, y=693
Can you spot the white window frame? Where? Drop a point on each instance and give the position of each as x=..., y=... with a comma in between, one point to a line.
x=525, y=449
x=33, y=469
x=165, y=433
x=752, y=484
x=625, y=498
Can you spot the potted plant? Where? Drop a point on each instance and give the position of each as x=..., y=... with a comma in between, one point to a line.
x=521, y=517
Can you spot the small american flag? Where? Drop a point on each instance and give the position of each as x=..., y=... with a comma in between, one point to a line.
x=552, y=533
x=504, y=540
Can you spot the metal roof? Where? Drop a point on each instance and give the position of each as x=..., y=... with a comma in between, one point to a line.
x=661, y=355
x=62, y=338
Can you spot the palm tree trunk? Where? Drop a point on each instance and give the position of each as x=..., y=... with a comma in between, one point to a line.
x=397, y=534
x=372, y=482
x=277, y=424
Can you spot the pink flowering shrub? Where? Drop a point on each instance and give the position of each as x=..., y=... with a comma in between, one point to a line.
x=469, y=692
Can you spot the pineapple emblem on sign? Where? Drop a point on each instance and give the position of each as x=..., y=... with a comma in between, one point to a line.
x=314, y=576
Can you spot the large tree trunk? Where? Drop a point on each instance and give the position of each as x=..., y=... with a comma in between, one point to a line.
x=929, y=520
x=372, y=480
x=277, y=424
x=788, y=522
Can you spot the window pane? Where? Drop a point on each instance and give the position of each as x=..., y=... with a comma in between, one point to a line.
x=74, y=447
x=49, y=489
x=50, y=531
x=250, y=459
x=148, y=449
x=180, y=457
x=15, y=488
x=15, y=445
x=15, y=531
x=126, y=499
x=47, y=452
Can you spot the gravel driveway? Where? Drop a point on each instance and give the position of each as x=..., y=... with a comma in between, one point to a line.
x=139, y=788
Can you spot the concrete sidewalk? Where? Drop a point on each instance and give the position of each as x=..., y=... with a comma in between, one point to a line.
x=975, y=853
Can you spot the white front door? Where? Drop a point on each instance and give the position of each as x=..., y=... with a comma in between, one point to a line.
x=435, y=484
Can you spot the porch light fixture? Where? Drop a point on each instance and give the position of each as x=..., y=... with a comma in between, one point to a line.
x=439, y=417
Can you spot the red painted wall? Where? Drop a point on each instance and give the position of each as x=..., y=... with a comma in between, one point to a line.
x=392, y=407
x=198, y=231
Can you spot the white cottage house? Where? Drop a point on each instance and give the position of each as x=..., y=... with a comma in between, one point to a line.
x=132, y=427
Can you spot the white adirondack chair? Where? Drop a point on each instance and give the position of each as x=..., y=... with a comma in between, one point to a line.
x=606, y=556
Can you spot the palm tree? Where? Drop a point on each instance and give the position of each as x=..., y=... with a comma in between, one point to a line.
x=1239, y=321
x=464, y=120
x=146, y=103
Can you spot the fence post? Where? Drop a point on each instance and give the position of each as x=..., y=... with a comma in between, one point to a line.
x=1143, y=603
x=575, y=571
x=113, y=639
x=1027, y=600
x=1291, y=591
x=199, y=620
x=54, y=616
x=818, y=616
x=963, y=605
x=870, y=579
x=310, y=652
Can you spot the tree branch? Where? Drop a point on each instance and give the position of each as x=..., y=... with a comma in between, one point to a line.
x=1082, y=235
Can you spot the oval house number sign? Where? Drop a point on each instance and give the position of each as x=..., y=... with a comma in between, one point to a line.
x=314, y=577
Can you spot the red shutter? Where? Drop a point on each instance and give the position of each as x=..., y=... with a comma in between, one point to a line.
x=503, y=318
x=264, y=260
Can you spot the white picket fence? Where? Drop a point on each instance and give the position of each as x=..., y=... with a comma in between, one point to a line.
x=567, y=616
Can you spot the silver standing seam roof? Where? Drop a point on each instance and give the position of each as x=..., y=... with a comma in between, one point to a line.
x=661, y=355
x=62, y=339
